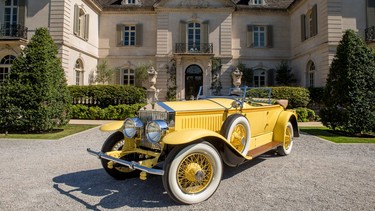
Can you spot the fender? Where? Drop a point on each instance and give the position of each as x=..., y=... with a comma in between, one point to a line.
x=112, y=126
x=282, y=121
x=190, y=135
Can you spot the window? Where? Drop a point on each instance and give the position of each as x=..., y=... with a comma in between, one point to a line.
x=79, y=72
x=260, y=36
x=5, y=65
x=310, y=74
x=194, y=36
x=309, y=23
x=10, y=17
x=128, y=77
x=129, y=35
x=256, y=2
x=125, y=2
x=81, y=23
x=259, y=78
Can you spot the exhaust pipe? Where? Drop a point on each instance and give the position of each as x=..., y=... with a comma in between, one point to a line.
x=130, y=164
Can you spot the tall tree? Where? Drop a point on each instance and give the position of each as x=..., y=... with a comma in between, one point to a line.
x=104, y=73
x=284, y=75
x=35, y=94
x=349, y=94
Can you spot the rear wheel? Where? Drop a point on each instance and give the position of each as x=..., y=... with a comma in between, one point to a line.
x=192, y=173
x=115, y=142
x=286, y=148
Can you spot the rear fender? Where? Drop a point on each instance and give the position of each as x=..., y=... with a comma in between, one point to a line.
x=112, y=126
x=282, y=122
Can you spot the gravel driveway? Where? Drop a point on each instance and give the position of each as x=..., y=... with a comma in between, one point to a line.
x=60, y=175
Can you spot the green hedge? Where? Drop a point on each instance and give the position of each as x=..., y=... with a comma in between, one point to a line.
x=118, y=112
x=296, y=96
x=106, y=95
x=305, y=114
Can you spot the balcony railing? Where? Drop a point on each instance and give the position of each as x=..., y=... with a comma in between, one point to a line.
x=370, y=34
x=13, y=31
x=193, y=48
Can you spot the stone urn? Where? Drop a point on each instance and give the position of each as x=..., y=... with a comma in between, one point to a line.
x=236, y=79
x=152, y=75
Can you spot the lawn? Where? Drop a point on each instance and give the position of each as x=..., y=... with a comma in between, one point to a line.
x=327, y=134
x=54, y=134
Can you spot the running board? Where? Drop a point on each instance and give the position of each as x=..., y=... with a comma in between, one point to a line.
x=262, y=149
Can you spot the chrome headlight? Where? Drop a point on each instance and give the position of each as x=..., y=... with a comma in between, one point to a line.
x=155, y=130
x=131, y=125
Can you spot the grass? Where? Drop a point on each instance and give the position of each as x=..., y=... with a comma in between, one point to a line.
x=329, y=135
x=54, y=134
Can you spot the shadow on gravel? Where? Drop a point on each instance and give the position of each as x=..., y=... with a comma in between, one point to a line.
x=114, y=193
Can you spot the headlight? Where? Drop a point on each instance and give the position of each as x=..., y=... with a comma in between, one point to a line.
x=155, y=130
x=131, y=126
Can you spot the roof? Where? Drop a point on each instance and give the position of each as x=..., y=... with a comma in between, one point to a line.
x=270, y=4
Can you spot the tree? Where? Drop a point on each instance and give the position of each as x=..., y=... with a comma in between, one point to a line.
x=104, y=73
x=35, y=94
x=284, y=75
x=247, y=78
x=141, y=74
x=349, y=93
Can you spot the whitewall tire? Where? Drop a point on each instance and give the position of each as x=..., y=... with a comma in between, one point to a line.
x=287, y=146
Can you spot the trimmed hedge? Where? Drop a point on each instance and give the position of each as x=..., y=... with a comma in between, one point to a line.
x=305, y=114
x=118, y=112
x=105, y=95
x=296, y=96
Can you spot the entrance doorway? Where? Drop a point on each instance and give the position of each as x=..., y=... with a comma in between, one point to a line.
x=193, y=80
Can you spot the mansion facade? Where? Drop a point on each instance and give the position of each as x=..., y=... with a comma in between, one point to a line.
x=185, y=39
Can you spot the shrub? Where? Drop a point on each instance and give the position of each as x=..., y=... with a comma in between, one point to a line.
x=284, y=75
x=118, y=112
x=35, y=97
x=349, y=94
x=297, y=96
x=106, y=95
x=305, y=114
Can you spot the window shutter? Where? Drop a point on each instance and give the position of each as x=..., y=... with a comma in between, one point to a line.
x=22, y=12
x=76, y=20
x=250, y=42
x=182, y=31
x=138, y=34
x=315, y=20
x=87, y=23
x=303, y=27
x=204, y=37
x=120, y=36
x=269, y=36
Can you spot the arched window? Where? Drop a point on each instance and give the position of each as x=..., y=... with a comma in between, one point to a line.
x=310, y=74
x=260, y=78
x=5, y=65
x=128, y=76
x=79, y=72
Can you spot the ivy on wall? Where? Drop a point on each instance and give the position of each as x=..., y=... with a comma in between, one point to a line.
x=171, y=83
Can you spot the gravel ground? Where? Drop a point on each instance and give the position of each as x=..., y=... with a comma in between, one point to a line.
x=60, y=175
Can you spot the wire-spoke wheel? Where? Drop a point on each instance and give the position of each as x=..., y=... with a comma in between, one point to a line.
x=192, y=173
x=115, y=142
x=286, y=148
x=236, y=129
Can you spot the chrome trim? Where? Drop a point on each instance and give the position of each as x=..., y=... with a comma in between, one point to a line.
x=162, y=128
x=130, y=164
x=138, y=124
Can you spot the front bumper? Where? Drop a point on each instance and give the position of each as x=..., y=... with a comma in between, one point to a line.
x=130, y=164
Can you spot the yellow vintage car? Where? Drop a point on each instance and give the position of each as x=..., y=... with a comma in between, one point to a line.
x=187, y=142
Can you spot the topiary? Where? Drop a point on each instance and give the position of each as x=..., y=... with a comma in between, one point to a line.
x=349, y=93
x=35, y=93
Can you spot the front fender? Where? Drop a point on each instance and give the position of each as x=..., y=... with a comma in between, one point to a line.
x=230, y=155
x=282, y=122
x=112, y=126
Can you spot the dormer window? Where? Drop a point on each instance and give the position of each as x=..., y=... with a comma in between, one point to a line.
x=125, y=2
x=256, y=2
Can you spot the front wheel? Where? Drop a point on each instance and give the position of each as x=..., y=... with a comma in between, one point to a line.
x=115, y=142
x=286, y=148
x=192, y=173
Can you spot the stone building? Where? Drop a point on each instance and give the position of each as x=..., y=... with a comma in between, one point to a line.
x=184, y=40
